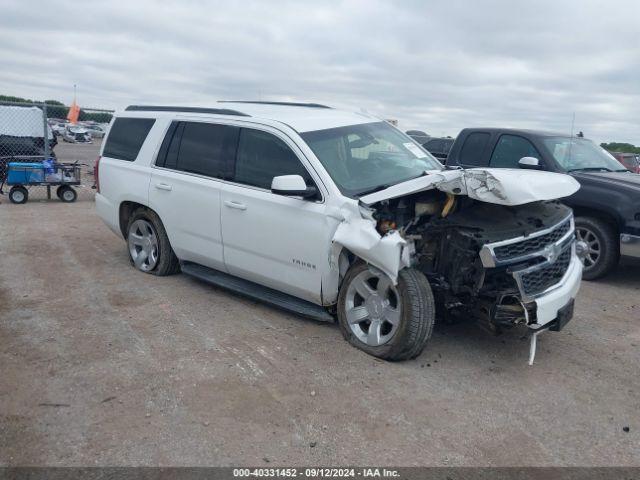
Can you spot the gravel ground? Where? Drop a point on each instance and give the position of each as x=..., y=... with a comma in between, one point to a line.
x=104, y=365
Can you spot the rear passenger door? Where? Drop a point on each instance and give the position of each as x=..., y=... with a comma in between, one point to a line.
x=185, y=188
x=274, y=240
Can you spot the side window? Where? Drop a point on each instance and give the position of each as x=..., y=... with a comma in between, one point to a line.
x=447, y=146
x=205, y=148
x=262, y=156
x=432, y=145
x=473, y=149
x=171, y=139
x=510, y=149
x=173, y=145
x=126, y=138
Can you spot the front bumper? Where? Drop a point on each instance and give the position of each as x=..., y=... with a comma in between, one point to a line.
x=549, y=303
x=546, y=286
x=630, y=245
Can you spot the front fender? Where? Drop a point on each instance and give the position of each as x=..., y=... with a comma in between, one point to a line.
x=359, y=236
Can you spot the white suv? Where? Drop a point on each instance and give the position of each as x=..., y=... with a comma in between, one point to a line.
x=336, y=214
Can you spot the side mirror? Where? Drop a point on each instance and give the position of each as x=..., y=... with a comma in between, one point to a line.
x=292, y=186
x=531, y=163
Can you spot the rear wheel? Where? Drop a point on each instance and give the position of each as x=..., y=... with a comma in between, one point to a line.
x=603, y=249
x=388, y=321
x=18, y=194
x=148, y=244
x=66, y=194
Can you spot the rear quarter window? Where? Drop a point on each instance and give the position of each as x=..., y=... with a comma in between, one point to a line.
x=126, y=138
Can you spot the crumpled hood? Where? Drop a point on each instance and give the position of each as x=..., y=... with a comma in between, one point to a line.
x=503, y=186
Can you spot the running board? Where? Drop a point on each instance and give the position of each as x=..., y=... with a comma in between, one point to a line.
x=256, y=292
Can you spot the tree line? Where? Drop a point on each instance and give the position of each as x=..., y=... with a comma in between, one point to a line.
x=620, y=147
x=56, y=109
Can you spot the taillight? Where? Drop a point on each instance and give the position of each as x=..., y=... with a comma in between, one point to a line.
x=96, y=175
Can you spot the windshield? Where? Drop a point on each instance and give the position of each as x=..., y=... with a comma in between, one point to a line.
x=577, y=154
x=368, y=157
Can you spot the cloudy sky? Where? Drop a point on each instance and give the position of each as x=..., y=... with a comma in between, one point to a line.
x=437, y=66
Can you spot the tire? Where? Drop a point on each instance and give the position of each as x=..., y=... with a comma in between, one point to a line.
x=414, y=309
x=18, y=194
x=604, y=247
x=162, y=261
x=66, y=194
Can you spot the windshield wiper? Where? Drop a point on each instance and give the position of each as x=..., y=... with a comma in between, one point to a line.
x=592, y=169
x=374, y=190
x=387, y=185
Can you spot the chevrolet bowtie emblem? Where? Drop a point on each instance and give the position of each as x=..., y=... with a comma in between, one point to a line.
x=551, y=253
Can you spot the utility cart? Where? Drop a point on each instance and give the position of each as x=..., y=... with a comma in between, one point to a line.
x=23, y=174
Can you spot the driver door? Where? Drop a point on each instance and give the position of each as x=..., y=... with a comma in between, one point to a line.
x=277, y=241
x=510, y=149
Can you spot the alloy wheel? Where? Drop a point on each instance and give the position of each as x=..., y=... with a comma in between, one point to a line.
x=594, y=251
x=143, y=245
x=373, y=309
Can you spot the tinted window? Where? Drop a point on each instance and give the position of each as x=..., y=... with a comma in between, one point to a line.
x=448, y=143
x=262, y=156
x=434, y=145
x=168, y=155
x=473, y=149
x=510, y=149
x=205, y=148
x=126, y=137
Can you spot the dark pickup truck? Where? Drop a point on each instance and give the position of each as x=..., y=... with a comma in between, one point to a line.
x=607, y=206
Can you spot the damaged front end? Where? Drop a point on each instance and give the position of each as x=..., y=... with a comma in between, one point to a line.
x=494, y=244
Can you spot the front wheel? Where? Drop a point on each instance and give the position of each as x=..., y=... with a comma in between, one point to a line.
x=388, y=321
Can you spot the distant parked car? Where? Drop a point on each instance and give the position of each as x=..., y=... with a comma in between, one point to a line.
x=58, y=128
x=631, y=161
x=439, y=147
x=419, y=136
x=73, y=134
x=96, y=131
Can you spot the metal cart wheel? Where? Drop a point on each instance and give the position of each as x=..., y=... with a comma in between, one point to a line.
x=18, y=194
x=67, y=194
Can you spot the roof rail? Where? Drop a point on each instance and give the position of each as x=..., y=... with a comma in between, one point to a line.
x=165, y=108
x=287, y=104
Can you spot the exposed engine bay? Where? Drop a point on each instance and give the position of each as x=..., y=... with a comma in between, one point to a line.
x=453, y=238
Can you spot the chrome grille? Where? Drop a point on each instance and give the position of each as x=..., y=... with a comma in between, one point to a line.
x=537, y=263
x=532, y=245
x=537, y=281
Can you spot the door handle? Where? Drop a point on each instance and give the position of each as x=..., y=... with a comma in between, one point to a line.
x=232, y=204
x=163, y=186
